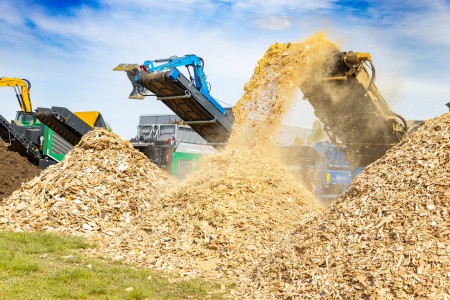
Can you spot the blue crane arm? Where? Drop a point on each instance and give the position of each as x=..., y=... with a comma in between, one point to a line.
x=187, y=61
x=190, y=60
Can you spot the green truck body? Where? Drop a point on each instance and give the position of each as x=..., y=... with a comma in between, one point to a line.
x=185, y=158
x=184, y=164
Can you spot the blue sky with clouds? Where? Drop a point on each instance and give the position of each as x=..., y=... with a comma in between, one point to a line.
x=67, y=49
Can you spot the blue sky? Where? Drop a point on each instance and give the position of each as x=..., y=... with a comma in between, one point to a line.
x=67, y=49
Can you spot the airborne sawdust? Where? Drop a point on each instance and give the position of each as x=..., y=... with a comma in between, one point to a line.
x=96, y=190
x=273, y=89
x=387, y=237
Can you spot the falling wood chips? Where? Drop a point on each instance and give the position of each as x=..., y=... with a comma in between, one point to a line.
x=217, y=222
x=273, y=89
x=96, y=190
x=387, y=237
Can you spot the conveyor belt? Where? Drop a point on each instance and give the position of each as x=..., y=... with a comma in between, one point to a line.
x=356, y=116
x=18, y=140
x=178, y=93
x=64, y=123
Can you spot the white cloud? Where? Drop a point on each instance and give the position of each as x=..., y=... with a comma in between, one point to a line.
x=282, y=6
x=431, y=28
x=200, y=6
x=177, y=5
x=10, y=13
x=274, y=22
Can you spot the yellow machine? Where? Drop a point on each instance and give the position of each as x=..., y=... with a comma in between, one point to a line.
x=356, y=116
x=89, y=117
x=22, y=89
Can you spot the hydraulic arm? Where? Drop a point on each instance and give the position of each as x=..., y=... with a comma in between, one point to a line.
x=22, y=89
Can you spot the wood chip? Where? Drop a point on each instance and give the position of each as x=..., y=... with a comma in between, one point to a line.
x=220, y=220
x=396, y=247
x=99, y=187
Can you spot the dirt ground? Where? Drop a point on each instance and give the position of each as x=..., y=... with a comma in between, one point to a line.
x=14, y=169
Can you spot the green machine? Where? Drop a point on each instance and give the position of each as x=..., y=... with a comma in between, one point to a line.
x=170, y=144
x=45, y=135
x=54, y=146
x=186, y=158
x=51, y=144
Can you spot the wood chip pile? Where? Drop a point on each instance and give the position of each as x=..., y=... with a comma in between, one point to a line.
x=96, y=190
x=219, y=220
x=387, y=237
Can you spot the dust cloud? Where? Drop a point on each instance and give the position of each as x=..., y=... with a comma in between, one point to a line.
x=273, y=89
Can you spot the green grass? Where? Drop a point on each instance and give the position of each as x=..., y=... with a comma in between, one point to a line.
x=47, y=266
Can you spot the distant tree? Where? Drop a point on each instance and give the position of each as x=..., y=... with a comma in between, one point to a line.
x=317, y=133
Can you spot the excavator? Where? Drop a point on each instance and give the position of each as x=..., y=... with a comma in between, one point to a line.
x=24, y=133
x=22, y=88
x=47, y=135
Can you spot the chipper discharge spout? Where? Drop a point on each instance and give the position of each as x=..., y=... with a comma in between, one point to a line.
x=188, y=98
x=347, y=101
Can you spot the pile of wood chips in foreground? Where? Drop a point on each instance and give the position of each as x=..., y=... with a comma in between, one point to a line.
x=217, y=222
x=96, y=190
x=387, y=237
